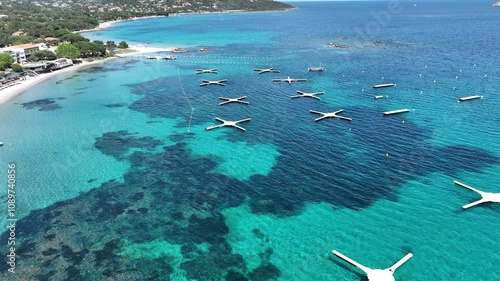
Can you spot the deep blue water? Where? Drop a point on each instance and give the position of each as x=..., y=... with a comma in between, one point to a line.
x=128, y=191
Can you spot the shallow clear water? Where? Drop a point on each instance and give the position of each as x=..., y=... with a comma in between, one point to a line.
x=111, y=164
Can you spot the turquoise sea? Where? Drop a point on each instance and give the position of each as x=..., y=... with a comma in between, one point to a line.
x=118, y=180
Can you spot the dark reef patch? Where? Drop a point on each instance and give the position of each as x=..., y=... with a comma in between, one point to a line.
x=112, y=66
x=50, y=252
x=235, y=276
x=42, y=105
x=66, y=79
x=114, y=105
x=117, y=144
x=93, y=69
x=172, y=195
x=265, y=272
x=161, y=196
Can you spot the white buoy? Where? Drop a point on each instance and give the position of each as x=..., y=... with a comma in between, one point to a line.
x=376, y=274
x=485, y=196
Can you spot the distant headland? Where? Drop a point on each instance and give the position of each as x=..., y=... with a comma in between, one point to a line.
x=24, y=22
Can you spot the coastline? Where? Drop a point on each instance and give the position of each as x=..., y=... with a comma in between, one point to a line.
x=108, y=24
x=12, y=92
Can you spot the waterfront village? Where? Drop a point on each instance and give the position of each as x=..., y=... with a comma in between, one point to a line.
x=22, y=67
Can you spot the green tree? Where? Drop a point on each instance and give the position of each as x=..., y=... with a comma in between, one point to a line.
x=110, y=45
x=42, y=55
x=24, y=39
x=73, y=37
x=17, y=68
x=123, y=45
x=6, y=60
x=91, y=49
x=67, y=50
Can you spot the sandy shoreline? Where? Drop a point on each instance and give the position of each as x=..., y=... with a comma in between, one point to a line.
x=108, y=24
x=13, y=91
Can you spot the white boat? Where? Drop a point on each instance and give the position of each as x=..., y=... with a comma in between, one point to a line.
x=393, y=112
x=469, y=98
x=1, y=143
x=384, y=85
x=178, y=51
x=316, y=68
x=170, y=58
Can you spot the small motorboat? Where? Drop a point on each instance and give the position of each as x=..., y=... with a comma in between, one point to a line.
x=178, y=51
x=316, y=68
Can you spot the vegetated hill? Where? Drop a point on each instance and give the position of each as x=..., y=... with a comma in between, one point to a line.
x=50, y=18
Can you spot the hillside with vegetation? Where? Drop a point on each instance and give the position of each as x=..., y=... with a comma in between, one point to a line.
x=23, y=21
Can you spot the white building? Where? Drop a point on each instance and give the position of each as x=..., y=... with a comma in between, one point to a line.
x=21, y=52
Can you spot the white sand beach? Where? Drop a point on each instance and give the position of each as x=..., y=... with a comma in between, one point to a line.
x=108, y=24
x=23, y=85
